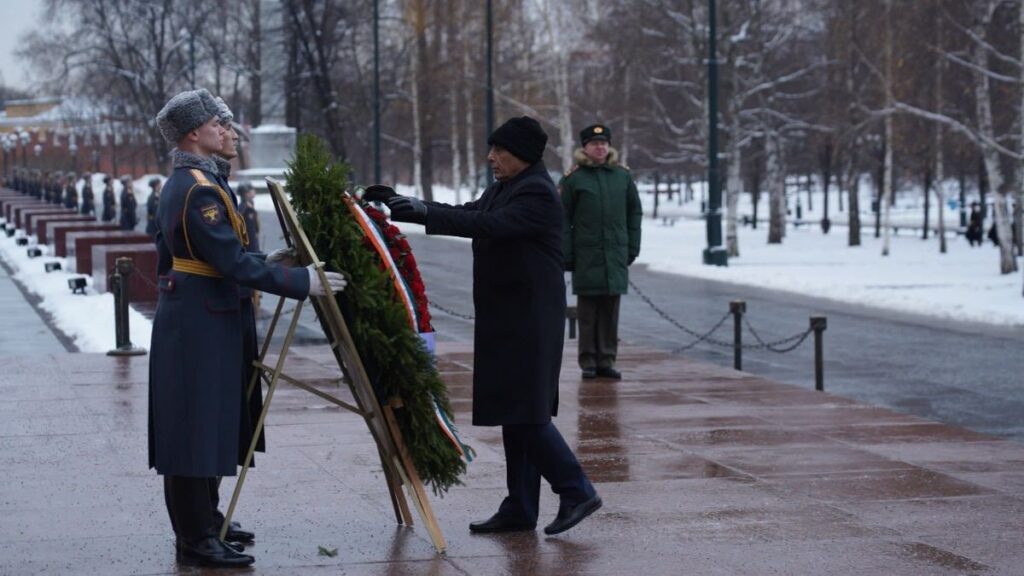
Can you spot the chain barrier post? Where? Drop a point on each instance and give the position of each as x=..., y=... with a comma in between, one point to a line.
x=818, y=325
x=123, y=268
x=737, y=308
x=571, y=314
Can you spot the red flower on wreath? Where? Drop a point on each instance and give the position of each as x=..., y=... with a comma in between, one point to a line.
x=401, y=253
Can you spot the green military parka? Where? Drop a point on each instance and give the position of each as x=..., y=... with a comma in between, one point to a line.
x=601, y=236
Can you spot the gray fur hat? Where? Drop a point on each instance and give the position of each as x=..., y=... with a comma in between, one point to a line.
x=223, y=112
x=185, y=112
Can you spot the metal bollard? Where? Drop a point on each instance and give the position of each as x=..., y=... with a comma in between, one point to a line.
x=818, y=325
x=123, y=268
x=571, y=315
x=737, y=308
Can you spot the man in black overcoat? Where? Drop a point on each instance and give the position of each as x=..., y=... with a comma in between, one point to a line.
x=519, y=298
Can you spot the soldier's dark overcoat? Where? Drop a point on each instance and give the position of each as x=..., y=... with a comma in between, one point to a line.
x=199, y=424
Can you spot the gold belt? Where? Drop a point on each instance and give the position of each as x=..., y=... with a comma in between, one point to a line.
x=189, y=266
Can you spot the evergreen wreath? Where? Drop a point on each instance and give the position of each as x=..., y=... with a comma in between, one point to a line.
x=393, y=354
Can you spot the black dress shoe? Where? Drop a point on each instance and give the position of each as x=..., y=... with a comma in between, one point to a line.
x=499, y=523
x=589, y=373
x=213, y=553
x=233, y=546
x=569, y=516
x=610, y=373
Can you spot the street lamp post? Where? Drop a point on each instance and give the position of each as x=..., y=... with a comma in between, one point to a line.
x=715, y=253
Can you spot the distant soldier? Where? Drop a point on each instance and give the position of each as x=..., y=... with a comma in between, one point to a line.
x=151, y=204
x=109, y=200
x=129, y=206
x=47, y=181
x=88, y=198
x=57, y=188
x=71, y=191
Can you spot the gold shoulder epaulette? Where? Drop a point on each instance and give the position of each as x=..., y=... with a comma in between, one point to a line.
x=201, y=178
x=571, y=170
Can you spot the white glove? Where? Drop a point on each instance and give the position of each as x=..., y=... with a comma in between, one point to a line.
x=335, y=282
x=282, y=256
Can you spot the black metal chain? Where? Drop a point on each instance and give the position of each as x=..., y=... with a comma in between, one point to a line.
x=778, y=346
x=437, y=306
x=706, y=337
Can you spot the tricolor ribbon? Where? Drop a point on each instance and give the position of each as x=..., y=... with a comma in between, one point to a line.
x=371, y=232
x=405, y=295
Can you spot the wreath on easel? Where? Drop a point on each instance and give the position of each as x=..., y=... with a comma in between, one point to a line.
x=385, y=306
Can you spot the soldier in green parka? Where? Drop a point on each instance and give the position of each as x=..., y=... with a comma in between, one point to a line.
x=601, y=239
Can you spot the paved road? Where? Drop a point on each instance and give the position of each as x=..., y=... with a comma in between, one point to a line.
x=965, y=374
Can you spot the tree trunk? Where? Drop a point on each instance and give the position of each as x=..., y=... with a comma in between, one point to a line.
x=940, y=168
x=471, y=160
x=996, y=180
x=927, y=200
x=853, y=204
x=562, y=97
x=456, y=163
x=417, y=128
x=776, y=180
x=755, y=191
x=887, y=193
x=733, y=188
x=826, y=180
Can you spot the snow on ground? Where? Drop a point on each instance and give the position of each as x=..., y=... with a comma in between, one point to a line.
x=87, y=319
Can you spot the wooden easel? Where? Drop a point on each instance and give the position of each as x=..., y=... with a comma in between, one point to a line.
x=380, y=419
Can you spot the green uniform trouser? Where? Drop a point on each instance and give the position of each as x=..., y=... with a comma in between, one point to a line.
x=599, y=330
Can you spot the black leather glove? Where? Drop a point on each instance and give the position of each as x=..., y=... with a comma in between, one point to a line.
x=407, y=209
x=379, y=193
x=631, y=260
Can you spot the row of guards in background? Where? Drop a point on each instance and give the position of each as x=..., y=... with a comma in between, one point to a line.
x=66, y=189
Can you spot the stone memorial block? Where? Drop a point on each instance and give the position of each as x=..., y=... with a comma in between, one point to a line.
x=84, y=241
x=59, y=232
x=42, y=229
x=141, y=282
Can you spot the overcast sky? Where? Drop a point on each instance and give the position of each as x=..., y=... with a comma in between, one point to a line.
x=16, y=18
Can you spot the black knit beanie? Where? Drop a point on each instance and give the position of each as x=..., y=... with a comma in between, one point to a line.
x=521, y=136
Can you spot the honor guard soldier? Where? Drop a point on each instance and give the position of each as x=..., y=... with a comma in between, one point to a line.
x=47, y=182
x=109, y=200
x=57, y=188
x=129, y=206
x=200, y=421
x=88, y=198
x=71, y=191
x=151, y=205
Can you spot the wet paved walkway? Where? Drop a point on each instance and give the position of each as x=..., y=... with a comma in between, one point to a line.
x=703, y=470
x=22, y=329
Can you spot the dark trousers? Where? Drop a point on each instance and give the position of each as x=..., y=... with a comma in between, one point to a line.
x=599, y=330
x=533, y=451
x=190, y=506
